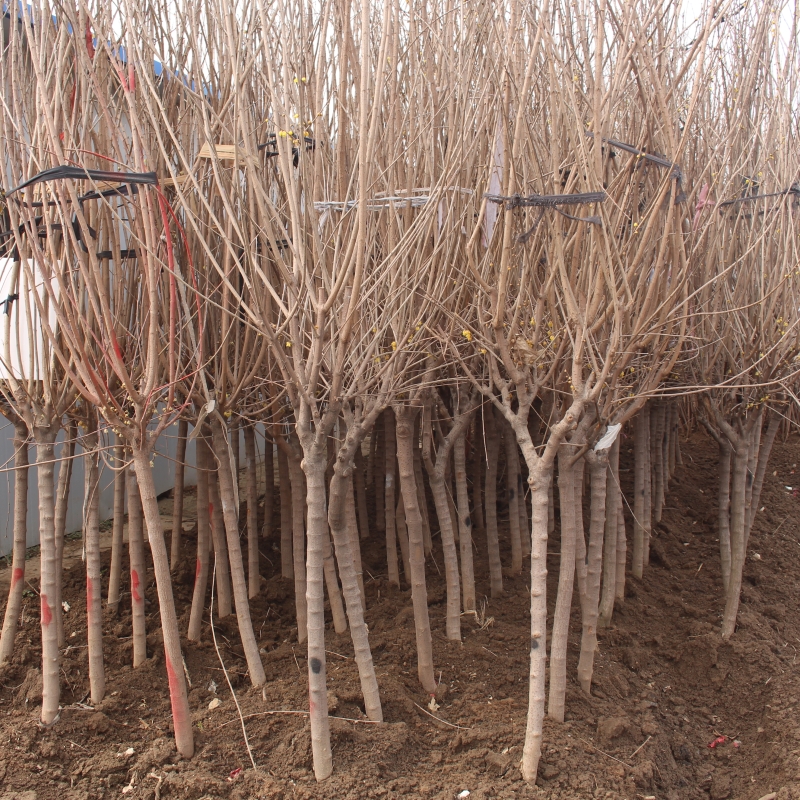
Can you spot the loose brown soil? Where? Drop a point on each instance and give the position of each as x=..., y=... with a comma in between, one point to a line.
x=666, y=686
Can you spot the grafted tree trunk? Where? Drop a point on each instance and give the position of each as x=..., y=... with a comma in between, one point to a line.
x=231, y=518
x=94, y=585
x=419, y=595
x=202, y=566
x=390, y=457
x=138, y=569
x=570, y=508
x=181, y=718
x=14, y=604
x=512, y=488
x=221, y=567
x=115, y=570
x=62, y=502
x=177, y=494
x=298, y=542
x=45, y=436
x=492, y=536
x=598, y=477
x=610, y=539
x=253, y=573
x=464, y=523
x=287, y=560
x=314, y=462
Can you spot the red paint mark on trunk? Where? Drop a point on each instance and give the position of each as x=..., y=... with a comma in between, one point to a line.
x=47, y=614
x=178, y=718
x=197, y=570
x=210, y=510
x=137, y=598
x=17, y=576
x=89, y=593
x=89, y=40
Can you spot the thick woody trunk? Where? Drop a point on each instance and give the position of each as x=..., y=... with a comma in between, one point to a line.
x=287, y=561
x=45, y=453
x=641, y=437
x=350, y=586
x=570, y=508
x=598, y=476
x=221, y=567
x=94, y=586
x=419, y=594
x=138, y=569
x=231, y=518
x=314, y=461
x=512, y=488
x=14, y=603
x=202, y=565
x=610, y=539
x=738, y=522
x=298, y=544
x=62, y=502
x=181, y=717
x=492, y=536
x=724, y=510
x=115, y=570
x=253, y=575
x=177, y=494
x=389, y=502
x=450, y=556
x=355, y=543
x=464, y=523
x=402, y=537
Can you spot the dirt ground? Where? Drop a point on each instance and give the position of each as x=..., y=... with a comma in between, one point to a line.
x=666, y=686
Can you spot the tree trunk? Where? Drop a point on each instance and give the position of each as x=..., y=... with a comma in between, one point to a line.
x=622, y=549
x=724, y=510
x=648, y=488
x=231, y=517
x=419, y=594
x=14, y=603
x=202, y=566
x=253, y=573
x=641, y=475
x=610, y=539
x=657, y=426
x=477, y=456
x=314, y=466
x=181, y=716
x=402, y=537
x=298, y=544
x=598, y=473
x=389, y=502
x=177, y=494
x=62, y=502
x=492, y=537
x=761, y=469
x=379, y=471
x=464, y=523
x=269, y=491
x=221, y=567
x=570, y=508
x=45, y=453
x=355, y=543
x=350, y=587
x=738, y=521
x=361, y=494
x=512, y=486
x=419, y=478
x=287, y=560
x=94, y=583
x=115, y=570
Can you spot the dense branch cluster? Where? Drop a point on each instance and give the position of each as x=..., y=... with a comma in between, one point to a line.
x=403, y=243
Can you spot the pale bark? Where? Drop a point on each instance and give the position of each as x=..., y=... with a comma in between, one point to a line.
x=657, y=426
x=641, y=437
x=402, y=537
x=177, y=494
x=221, y=566
x=138, y=569
x=492, y=536
x=724, y=510
x=419, y=595
x=253, y=574
x=62, y=501
x=298, y=544
x=359, y=476
x=622, y=550
x=202, y=565
x=512, y=489
x=115, y=570
x=610, y=539
x=231, y=520
x=464, y=523
x=598, y=476
x=737, y=524
x=287, y=561
x=14, y=604
x=181, y=718
x=389, y=502
x=355, y=543
x=761, y=468
x=94, y=586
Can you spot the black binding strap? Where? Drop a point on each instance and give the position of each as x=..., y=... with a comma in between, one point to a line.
x=80, y=173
